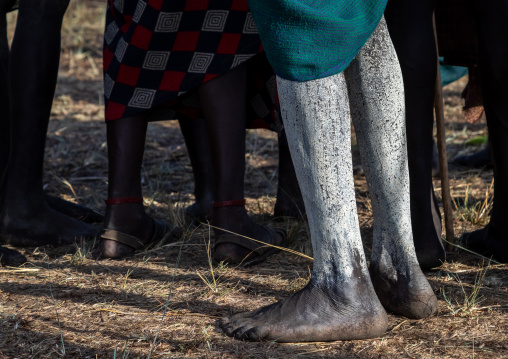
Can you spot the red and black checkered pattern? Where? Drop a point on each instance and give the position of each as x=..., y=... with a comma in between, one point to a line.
x=156, y=52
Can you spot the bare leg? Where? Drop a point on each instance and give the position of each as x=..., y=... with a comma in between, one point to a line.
x=196, y=140
x=7, y=256
x=289, y=197
x=380, y=130
x=339, y=303
x=25, y=217
x=492, y=22
x=224, y=101
x=410, y=26
x=126, y=145
x=4, y=97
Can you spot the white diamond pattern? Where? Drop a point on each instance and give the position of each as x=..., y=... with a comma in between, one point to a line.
x=240, y=59
x=168, y=22
x=156, y=60
x=120, y=49
x=200, y=62
x=215, y=20
x=250, y=26
x=108, y=85
x=111, y=32
x=142, y=98
x=140, y=8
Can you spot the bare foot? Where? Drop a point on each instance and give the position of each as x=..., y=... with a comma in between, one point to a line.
x=408, y=294
x=489, y=242
x=77, y=211
x=235, y=249
x=328, y=312
x=10, y=257
x=34, y=224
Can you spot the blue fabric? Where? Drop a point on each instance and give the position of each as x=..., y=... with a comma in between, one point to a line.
x=310, y=39
x=449, y=73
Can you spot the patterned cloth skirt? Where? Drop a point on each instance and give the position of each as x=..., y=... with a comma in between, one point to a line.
x=157, y=53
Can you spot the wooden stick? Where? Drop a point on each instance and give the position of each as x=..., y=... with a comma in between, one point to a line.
x=443, y=158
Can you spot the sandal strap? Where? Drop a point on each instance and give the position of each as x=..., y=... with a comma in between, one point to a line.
x=125, y=200
x=124, y=238
x=232, y=203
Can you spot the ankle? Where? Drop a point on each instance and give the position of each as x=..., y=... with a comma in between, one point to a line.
x=229, y=214
x=203, y=197
x=226, y=209
x=126, y=213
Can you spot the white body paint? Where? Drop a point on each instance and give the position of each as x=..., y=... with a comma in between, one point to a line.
x=342, y=300
x=317, y=120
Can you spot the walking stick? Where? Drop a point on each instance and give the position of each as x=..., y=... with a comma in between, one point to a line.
x=443, y=159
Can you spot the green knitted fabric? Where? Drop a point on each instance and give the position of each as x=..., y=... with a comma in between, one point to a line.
x=310, y=39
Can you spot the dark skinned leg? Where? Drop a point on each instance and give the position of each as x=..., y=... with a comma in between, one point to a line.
x=25, y=217
x=68, y=208
x=224, y=102
x=492, y=24
x=8, y=256
x=289, y=197
x=410, y=26
x=126, y=146
x=4, y=98
x=196, y=140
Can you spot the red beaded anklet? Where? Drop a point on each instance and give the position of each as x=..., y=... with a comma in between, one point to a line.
x=233, y=203
x=125, y=200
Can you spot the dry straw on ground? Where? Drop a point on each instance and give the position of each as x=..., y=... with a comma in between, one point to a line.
x=61, y=303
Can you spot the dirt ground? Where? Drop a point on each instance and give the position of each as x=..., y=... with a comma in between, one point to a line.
x=64, y=304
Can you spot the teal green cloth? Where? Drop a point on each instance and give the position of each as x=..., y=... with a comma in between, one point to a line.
x=310, y=39
x=449, y=73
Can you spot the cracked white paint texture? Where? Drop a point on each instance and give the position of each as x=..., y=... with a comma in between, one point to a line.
x=317, y=121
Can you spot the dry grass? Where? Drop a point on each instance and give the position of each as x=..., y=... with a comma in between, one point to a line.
x=167, y=301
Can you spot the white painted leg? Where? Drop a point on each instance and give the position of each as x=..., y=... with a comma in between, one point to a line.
x=376, y=95
x=339, y=302
x=317, y=123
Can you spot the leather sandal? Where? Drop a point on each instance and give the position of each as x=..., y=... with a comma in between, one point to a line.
x=260, y=251
x=162, y=232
